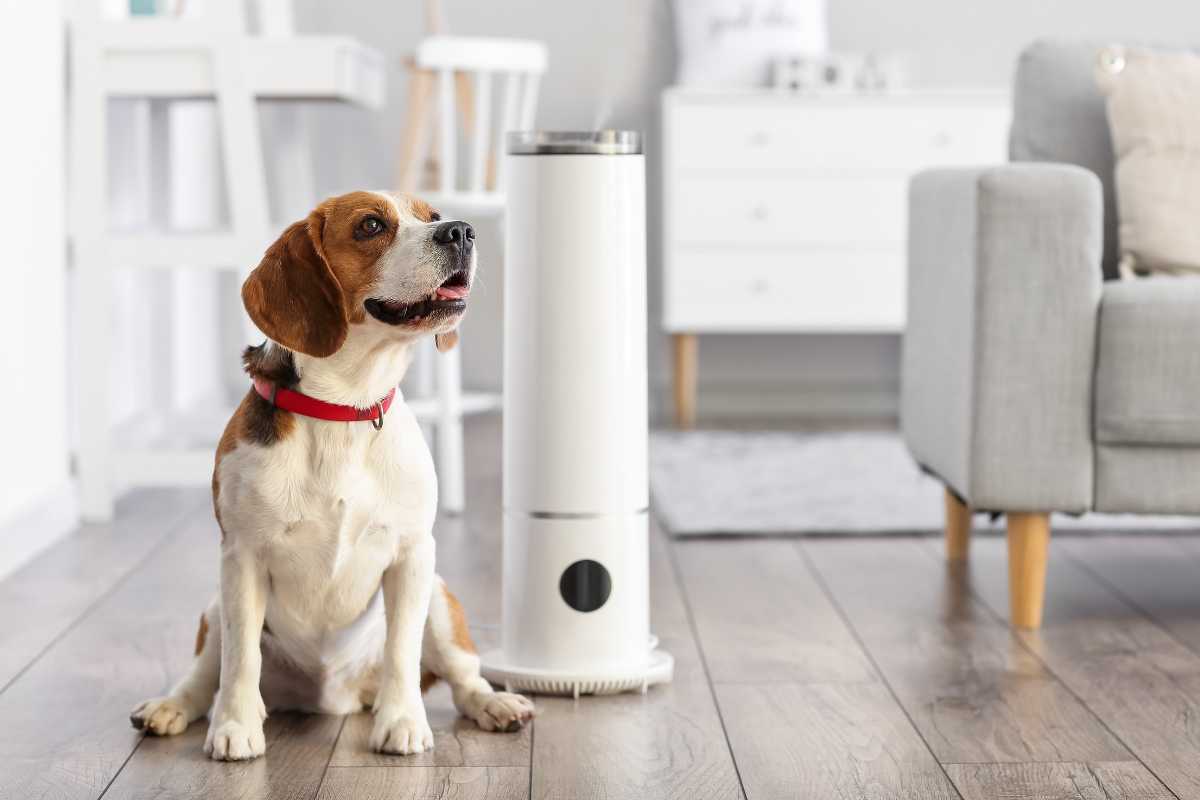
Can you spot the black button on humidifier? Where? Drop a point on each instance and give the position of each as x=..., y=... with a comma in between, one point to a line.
x=585, y=585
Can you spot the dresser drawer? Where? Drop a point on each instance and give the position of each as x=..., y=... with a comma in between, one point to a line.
x=799, y=135
x=814, y=209
x=785, y=289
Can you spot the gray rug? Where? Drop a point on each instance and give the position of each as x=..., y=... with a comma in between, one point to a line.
x=707, y=483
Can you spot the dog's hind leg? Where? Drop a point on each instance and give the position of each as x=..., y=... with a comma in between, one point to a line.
x=192, y=697
x=448, y=652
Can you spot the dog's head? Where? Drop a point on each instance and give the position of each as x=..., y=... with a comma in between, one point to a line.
x=360, y=260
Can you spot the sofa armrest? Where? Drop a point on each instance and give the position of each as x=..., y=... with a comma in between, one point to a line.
x=1004, y=286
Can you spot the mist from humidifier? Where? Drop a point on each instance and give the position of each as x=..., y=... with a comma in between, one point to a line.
x=623, y=78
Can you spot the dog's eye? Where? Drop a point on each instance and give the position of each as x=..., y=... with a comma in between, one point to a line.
x=371, y=226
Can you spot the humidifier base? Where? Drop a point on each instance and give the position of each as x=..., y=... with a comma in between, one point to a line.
x=658, y=668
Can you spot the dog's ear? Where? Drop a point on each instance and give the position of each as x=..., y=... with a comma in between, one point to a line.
x=446, y=341
x=293, y=295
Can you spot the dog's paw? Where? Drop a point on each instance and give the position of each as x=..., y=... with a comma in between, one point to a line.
x=231, y=740
x=161, y=716
x=401, y=733
x=499, y=711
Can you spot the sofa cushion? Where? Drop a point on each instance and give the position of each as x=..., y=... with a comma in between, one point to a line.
x=1147, y=479
x=1148, y=371
x=1059, y=116
x=1154, y=120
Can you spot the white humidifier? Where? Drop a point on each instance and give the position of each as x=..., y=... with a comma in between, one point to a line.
x=575, y=616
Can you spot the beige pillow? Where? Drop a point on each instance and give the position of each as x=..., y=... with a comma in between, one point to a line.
x=1154, y=117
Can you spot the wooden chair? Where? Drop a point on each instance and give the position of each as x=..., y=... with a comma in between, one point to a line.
x=171, y=58
x=469, y=76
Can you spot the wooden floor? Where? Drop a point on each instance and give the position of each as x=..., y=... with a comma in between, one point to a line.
x=805, y=669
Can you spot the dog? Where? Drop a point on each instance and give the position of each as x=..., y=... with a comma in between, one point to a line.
x=325, y=494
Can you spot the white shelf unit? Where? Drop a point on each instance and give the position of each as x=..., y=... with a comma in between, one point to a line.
x=210, y=56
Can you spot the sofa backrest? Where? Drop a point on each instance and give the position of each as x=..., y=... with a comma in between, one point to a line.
x=1059, y=115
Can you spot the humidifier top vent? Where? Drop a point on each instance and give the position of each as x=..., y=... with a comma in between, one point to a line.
x=586, y=143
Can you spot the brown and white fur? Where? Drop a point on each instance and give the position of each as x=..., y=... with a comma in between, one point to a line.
x=328, y=600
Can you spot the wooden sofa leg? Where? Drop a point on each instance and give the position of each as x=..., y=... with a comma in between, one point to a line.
x=958, y=527
x=1028, y=540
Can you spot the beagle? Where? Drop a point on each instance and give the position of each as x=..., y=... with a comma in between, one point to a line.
x=325, y=494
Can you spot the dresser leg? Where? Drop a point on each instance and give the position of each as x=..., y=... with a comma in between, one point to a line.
x=686, y=353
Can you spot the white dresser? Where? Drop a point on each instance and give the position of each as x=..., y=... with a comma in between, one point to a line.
x=788, y=213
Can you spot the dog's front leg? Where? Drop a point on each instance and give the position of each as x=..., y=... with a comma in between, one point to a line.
x=400, y=723
x=235, y=731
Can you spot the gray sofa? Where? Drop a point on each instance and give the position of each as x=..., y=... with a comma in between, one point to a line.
x=1033, y=380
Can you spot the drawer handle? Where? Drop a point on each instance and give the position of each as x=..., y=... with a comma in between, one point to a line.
x=760, y=286
x=760, y=213
x=941, y=139
x=760, y=139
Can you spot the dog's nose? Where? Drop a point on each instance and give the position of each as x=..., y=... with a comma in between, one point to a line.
x=455, y=233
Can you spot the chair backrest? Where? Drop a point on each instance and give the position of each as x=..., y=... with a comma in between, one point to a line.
x=1059, y=115
x=512, y=68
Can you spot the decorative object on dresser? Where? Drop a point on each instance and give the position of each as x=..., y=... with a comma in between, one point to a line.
x=786, y=213
x=838, y=72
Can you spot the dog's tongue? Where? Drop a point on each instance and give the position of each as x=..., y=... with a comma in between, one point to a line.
x=452, y=292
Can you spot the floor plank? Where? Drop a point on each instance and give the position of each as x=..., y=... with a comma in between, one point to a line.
x=668, y=743
x=64, y=724
x=1139, y=680
x=175, y=767
x=827, y=741
x=1127, y=780
x=972, y=689
x=45, y=597
x=761, y=616
x=420, y=783
x=1157, y=574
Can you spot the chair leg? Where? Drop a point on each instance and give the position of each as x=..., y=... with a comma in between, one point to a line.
x=1028, y=541
x=424, y=383
x=416, y=127
x=958, y=527
x=451, y=472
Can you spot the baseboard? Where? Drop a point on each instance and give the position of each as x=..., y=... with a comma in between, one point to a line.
x=38, y=526
x=801, y=402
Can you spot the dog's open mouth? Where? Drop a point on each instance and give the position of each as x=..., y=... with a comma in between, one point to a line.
x=449, y=298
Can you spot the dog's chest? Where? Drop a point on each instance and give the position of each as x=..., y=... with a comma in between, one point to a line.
x=337, y=528
x=332, y=506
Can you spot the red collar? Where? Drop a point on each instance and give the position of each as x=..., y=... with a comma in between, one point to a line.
x=307, y=406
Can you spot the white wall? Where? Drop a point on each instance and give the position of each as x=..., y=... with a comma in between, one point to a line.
x=618, y=54
x=33, y=386
x=975, y=43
